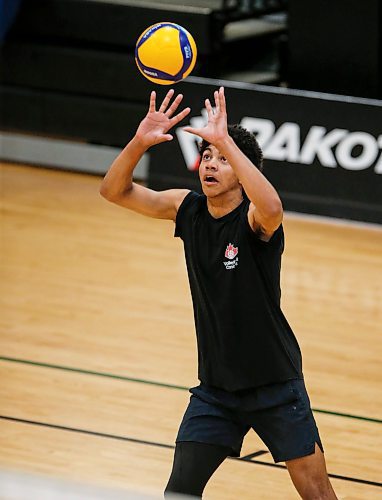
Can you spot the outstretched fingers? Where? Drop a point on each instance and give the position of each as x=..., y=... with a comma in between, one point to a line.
x=222, y=102
x=166, y=101
x=152, y=102
x=192, y=130
x=217, y=101
x=179, y=117
x=174, y=106
x=209, y=109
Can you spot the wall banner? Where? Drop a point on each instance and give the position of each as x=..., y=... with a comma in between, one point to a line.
x=323, y=153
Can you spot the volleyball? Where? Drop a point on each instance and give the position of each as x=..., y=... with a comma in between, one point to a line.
x=165, y=53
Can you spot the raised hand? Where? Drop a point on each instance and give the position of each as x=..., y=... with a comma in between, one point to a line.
x=216, y=129
x=154, y=128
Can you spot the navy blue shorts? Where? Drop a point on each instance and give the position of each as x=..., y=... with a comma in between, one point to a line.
x=279, y=413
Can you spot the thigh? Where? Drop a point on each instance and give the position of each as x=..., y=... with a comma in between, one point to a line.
x=289, y=430
x=208, y=423
x=194, y=464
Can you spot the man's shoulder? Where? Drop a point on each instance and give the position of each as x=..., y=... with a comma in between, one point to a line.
x=191, y=204
x=192, y=199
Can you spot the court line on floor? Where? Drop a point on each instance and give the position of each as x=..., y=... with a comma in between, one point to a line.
x=158, y=384
x=168, y=446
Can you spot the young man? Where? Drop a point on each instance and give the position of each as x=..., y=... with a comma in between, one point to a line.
x=249, y=360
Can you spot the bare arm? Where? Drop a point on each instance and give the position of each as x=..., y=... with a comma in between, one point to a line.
x=118, y=186
x=265, y=210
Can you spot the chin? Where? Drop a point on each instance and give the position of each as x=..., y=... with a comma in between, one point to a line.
x=210, y=193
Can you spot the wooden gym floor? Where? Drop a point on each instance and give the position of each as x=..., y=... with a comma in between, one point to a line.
x=98, y=348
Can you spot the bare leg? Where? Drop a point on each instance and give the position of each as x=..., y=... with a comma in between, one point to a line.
x=310, y=477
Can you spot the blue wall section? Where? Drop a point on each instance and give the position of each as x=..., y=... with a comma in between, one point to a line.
x=8, y=11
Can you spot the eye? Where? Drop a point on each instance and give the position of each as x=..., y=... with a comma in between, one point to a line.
x=223, y=159
x=206, y=156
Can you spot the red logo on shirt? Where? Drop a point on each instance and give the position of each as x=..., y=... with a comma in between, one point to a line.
x=231, y=251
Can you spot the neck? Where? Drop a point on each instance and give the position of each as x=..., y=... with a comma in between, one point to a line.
x=218, y=206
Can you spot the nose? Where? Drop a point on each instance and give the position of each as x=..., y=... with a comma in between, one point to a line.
x=211, y=165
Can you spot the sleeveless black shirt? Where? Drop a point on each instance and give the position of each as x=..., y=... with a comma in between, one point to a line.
x=244, y=340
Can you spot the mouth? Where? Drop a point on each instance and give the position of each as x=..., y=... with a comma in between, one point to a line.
x=210, y=180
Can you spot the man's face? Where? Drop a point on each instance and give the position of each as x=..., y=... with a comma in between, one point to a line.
x=216, y=174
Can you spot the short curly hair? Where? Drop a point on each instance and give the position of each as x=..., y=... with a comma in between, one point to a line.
x=247, y=143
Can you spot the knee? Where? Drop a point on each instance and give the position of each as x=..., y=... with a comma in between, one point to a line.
x=179, y=486
x=183, y=484
x=318, y=489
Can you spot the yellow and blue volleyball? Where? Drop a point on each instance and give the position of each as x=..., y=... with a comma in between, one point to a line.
x=165, y=53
